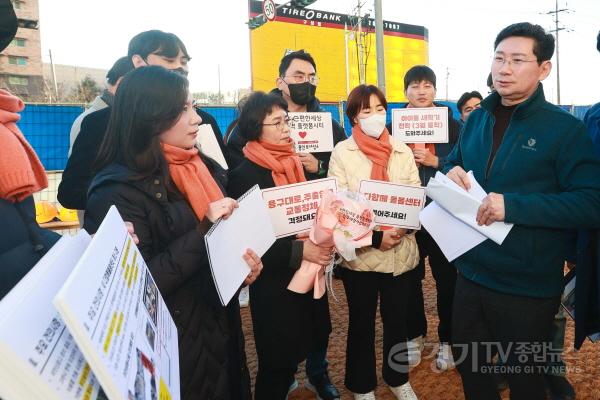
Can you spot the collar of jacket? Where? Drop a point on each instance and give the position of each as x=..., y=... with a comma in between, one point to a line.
x=313, y=106
x=397, y=146
x=115, y=172
x=524, y=109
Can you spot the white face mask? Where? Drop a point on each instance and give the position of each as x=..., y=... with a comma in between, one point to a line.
x=373, y=126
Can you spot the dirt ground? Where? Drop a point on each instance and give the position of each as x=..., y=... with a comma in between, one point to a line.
x=428, y=384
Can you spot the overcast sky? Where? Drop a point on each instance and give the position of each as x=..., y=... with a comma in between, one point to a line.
x=461, y=35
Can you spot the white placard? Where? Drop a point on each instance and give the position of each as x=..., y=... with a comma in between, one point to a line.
x=420, y=125
x=114, y=310
x=207, y=142
x=394, y=204
x=293, y=208
x=251, y=227
x=312, y=132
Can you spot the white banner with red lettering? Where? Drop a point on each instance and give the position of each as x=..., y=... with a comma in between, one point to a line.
x=293, y=208
x=420, y=125
x=394, y=204
x=311, y=131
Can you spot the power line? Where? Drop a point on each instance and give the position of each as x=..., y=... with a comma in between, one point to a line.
x=556, y=13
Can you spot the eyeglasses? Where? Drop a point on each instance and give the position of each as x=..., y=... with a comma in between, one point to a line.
x=515, y=62
x=280, y=125
x=312, y=79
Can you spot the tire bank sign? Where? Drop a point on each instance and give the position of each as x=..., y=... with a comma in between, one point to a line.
x=322, y=34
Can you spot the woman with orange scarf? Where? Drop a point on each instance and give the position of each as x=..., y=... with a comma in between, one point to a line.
x=379, y=272
x=286, y=324
x=148, y=166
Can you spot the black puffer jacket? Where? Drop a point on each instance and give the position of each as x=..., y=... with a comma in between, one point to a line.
x=211, y=342
x=22, y=241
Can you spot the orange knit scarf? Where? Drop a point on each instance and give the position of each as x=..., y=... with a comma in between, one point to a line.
x=281, y=159
x=21, y=172
x=376, y=150
x=192, y=178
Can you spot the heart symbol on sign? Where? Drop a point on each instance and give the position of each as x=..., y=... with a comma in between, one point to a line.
x=302, y=134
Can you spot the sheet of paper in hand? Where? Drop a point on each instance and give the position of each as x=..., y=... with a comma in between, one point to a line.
x=249, y=227
x=113, y=309
x=394, y=204
x=39, y=358
x=420, y=125
x=311, y=131
x=293, y=208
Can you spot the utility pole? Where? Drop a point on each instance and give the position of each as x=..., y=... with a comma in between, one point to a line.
x=361, y=49
x=556, y=12
x=53, y=76
x=379, y=45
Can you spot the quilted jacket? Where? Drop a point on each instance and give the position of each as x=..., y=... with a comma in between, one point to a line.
x=212, y=360
x=350, y=165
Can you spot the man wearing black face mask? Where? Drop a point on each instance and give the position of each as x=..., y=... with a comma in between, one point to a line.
x=152, y=47
x=297, y=84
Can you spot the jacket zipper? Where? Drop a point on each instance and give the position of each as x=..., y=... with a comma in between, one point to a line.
x=487, y=172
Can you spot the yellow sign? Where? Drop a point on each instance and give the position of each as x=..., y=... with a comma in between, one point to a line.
x=337, y=51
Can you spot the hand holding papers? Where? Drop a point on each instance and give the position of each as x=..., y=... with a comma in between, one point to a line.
x=249, y=227
x=452, y=218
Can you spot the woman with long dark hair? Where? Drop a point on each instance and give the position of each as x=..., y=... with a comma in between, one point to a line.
x=287, y=325
x=148, y=166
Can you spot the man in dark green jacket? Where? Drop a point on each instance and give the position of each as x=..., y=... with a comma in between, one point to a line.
x=538, y=166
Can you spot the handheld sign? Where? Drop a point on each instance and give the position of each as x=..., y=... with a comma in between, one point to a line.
x=311, y=131
x=420, y=125
x=394, y=204
x=293, y=208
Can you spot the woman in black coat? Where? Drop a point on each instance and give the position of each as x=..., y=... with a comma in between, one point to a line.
x=149, y=168
x=285, y=323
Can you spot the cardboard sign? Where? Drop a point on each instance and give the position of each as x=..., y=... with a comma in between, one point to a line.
x=420, y=125
x=312, y=132
x=394, y=204
x=293, y=208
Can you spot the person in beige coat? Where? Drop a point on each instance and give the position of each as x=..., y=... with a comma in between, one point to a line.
x=379, y=271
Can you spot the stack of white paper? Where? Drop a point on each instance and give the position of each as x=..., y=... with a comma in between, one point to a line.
x=39, y=358
x=251, y=227
x=451, y=219
x=112, y=307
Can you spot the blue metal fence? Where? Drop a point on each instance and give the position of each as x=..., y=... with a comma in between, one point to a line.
x=47, y=127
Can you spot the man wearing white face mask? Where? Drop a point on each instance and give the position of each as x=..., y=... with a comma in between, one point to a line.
x=380, y=271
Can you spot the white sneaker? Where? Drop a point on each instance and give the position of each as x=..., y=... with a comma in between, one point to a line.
x=364, y=396
x=415, y=347
x=445, y=360
x=244, y=297
x=404, y=392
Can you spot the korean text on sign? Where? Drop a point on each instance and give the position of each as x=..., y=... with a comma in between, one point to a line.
x=311, y=131
x=394, y=204
x=420, y=125
x=293, y=208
